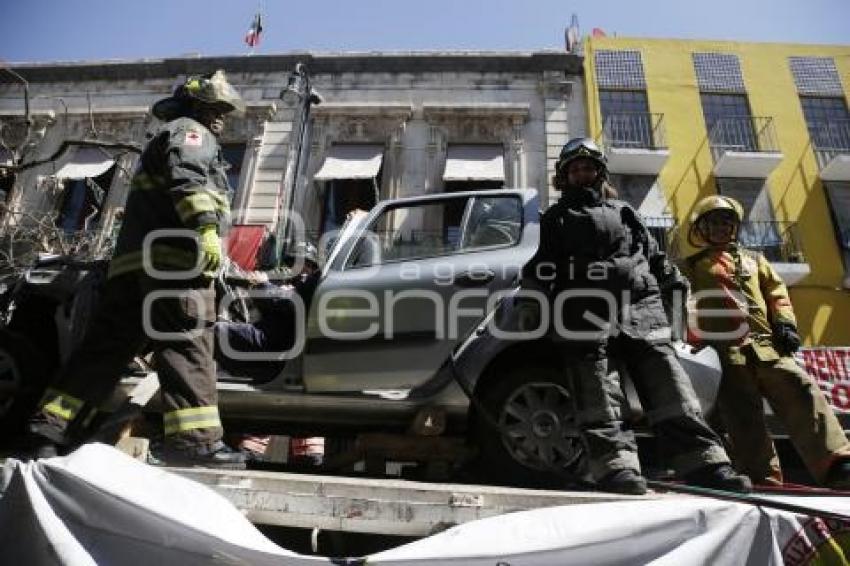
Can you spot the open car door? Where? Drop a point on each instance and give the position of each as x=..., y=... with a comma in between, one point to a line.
x=412, y=283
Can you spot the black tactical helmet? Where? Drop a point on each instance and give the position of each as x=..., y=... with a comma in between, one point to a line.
x=212, y=89
x=582, y=147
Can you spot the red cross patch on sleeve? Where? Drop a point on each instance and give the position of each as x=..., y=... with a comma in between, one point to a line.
x=193, y=138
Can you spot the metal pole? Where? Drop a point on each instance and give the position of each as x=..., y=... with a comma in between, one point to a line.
x=295, y=87
x=299, y=84
x=302, y=135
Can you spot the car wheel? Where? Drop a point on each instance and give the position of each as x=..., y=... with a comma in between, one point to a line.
x=538, y=443
x=23, y=377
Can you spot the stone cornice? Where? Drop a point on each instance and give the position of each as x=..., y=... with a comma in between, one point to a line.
x=329, y=63
x=479, y=110
x=253, y=108
x=371, y=109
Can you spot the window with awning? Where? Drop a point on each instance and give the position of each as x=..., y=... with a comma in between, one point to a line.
x=86, y=178
x=350, y=161
x=85, y=163
x=351, y=173
x=474, y=167
x=475, y=163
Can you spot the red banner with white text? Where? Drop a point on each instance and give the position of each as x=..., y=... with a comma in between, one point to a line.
x=830, y=368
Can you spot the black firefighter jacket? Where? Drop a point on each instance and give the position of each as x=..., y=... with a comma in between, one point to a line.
x=591, y=246
x=181, y=184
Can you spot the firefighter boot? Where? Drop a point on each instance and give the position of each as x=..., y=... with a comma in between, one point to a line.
x=45, y=436
x=719, y=476
x=626, y=481
x=838, y=476
x=219, y=455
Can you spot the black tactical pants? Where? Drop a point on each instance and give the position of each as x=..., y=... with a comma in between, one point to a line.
x=687, y=442
x=175, y=317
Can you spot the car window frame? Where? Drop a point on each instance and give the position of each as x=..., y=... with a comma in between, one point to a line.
x=366, y=228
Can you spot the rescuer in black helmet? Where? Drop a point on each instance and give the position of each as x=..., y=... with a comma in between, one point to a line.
x=598, y=251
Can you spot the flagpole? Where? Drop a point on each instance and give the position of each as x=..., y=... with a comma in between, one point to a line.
x=252, y=38
x=258, y=16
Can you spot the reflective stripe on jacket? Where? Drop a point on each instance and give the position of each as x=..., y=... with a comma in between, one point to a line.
x=181, y=184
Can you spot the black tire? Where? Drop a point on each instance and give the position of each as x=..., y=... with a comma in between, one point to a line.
x=23, y=378
x=544, y=447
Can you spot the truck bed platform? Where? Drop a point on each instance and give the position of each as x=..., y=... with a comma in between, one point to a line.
x=378, y=506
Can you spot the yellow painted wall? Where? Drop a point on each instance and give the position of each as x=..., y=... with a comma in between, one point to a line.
x=822, y=307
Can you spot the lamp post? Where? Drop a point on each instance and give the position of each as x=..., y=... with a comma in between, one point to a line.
x=299, y=92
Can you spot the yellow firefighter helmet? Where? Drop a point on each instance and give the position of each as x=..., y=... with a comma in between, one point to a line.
x=708, y=205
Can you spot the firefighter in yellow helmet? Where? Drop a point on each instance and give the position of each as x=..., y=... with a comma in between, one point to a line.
x=742, y=308
x=159, y=287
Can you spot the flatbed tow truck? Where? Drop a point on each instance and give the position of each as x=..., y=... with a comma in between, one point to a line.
x=376, y=505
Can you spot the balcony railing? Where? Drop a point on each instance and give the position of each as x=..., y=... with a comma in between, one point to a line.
x=743, y=134
x=634, y=130
x=659, y=227
x=829, y=139
x=777, y=241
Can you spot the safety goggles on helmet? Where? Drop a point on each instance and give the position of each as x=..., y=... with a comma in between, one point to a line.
x=581, y=148
x=717, y=206
x=720, y=216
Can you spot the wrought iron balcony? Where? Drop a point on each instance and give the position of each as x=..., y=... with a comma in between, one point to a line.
x=635, y=142
x=744, y=147
x=831, y=142
x=660, y=227
x=779, y=242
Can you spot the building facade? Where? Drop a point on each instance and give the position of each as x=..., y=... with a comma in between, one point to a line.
x=388, y=126
x=767, y=124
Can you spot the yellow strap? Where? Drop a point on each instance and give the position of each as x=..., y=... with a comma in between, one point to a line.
x=162, y=256
x=61, y=404
x=195, y=204
x=182, y=420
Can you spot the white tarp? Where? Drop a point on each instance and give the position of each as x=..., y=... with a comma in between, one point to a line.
x=350, y=161
x=85, y=162
x=475, y=163
x=672, y=532
x=99, y=506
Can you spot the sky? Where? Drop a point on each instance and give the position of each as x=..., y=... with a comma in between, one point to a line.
x=73, y=30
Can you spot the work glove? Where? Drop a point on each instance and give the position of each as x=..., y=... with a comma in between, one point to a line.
x=209, y=246
x=785, y=338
